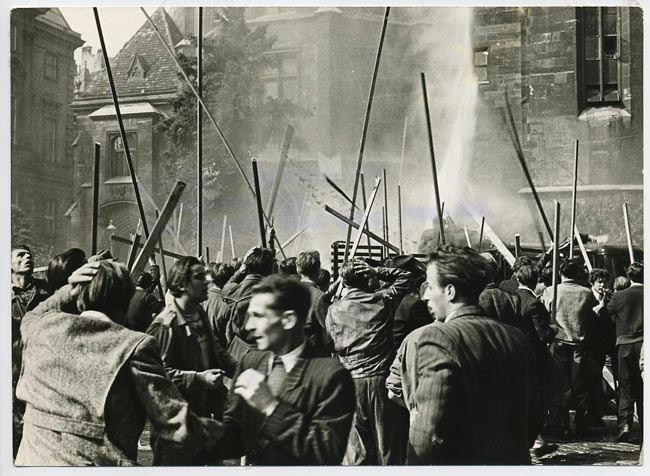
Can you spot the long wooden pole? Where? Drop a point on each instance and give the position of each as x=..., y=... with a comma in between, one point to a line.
x=469, y=242
x=95, y=218
x=232, y=243
x=556, y=261
x=401, y=159
x=581, y=245
x=363, y=195
x=286, y=143
x=512, y=131
x=340, y=191
x=628, y=232
x=133, y=252
x=116, y=103
x=386, y=229
x=399, y=217
x=383, y=223
x=180, y=220
x=199, y=137
x=223, y=235
x=517, y=245
x=574, y=195
x=163, y=265
x=423, y=81
x=258, y=198
x=126, y=241
x=480, y=236
x=366, y=215
x=494, y=238
x=158, y=228
x=301, y=218
x=364, y=132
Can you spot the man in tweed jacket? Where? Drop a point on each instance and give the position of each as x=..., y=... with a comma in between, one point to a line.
x=474, y=396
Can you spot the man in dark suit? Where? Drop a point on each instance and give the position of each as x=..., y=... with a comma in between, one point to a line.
x=475, y=395
x=287, y=406
x=626, y=310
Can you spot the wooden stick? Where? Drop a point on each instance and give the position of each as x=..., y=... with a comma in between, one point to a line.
x=401, y=159
x=116, y=103
x=364, y=132
x=293, y=237
x=207, y=256
x=574, y=195
x=383, y=222
x=199, y=136
x=133, y=251
x=480, y=236
x=340, y=191
x=386, y=232
x=95, y=218
x=366, y=215
x=300, y=220
x=158, y=228
x=512, y=131
x=399, y=216
x=163, y=265
x=581, y=245
x=469, y=243
x=363, y=194
x=223, y=235
x=126, y=241
x=423, y=81
x=434, y=223
x=232, y=243
x=258, y=198
x=556, y=261
x=286, y=143
x=355, y=225
x=517, y=245
x=628, y=232
x=494, y=238
x=180, y=220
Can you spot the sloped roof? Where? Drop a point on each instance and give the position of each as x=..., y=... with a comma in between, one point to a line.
x=161, y=74
x=55, y=17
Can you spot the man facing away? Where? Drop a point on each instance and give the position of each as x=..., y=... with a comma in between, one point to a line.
x=474, y=396
x=626, y=310
x=308, y=266
x=288, y=406
x=89, y=383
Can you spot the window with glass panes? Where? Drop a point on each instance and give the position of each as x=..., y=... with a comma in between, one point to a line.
x=481, y=64
x=117, y=165
x=601, y=54
x=281, y=76
x=49, y=139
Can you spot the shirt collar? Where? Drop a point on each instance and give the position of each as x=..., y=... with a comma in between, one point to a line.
x=96, y=315
x=526, y=288
x=636, y=284
x=290, y=359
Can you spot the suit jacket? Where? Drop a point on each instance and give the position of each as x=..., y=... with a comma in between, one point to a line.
x=504, y=306
x=311, y=424
x=575, y=316
x=626, y=310
x=89, y=384
x=475, y=393
x=239, y=293
x=411, y=313
x=533, y=310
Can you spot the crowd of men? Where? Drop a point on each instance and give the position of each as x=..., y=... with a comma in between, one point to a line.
x=401, y=362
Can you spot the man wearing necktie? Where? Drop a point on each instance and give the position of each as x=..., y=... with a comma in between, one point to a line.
x=288, y=406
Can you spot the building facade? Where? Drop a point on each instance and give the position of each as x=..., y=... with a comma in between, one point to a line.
x=42, y=72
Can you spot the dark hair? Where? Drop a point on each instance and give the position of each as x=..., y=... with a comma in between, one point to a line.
x=635, y=272
x=546, y=276
x=521, y=261
x=180, y=274
x=308, y=263
x=22, y=246
x=597, y=274
x=572, y=269
x=351, y=278
x=288, y=266
x=464, y=268
x=527, y=275
x=621, y=282
x=221, y=273
x=108, y=291
x=62, y=266
x=324, y=278
x=289, y=294
x=260, y=261
x=145, y=280
x=492, y=265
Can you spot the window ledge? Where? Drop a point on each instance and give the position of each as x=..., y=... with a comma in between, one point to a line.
x=603, y=113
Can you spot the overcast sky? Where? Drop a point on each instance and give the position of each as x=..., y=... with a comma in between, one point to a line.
x=118, y=25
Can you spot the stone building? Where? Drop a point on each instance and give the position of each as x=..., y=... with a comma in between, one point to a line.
x=42, y=72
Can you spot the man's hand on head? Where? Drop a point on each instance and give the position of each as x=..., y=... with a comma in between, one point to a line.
x=83, y=275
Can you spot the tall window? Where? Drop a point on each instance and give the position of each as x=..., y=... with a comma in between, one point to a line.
x=481, y=65
x=281, y=77
x=49, y=140
x=601, y=55
x=50, y=66
x=117, y=165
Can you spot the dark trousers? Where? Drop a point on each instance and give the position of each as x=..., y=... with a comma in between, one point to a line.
x=630, y=383
x=572, y=375
x=374, y=439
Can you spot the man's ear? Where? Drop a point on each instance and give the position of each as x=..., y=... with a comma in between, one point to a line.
x=289, y=320
x=450, y=292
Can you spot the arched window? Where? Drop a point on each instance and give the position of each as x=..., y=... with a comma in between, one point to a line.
x=117, y=165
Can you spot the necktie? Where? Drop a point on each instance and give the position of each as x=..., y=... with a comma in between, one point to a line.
x=277, y=376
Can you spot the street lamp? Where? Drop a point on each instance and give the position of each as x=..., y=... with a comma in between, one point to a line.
x=111, y=230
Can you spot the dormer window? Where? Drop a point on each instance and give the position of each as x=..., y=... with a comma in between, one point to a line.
x=138, y=69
